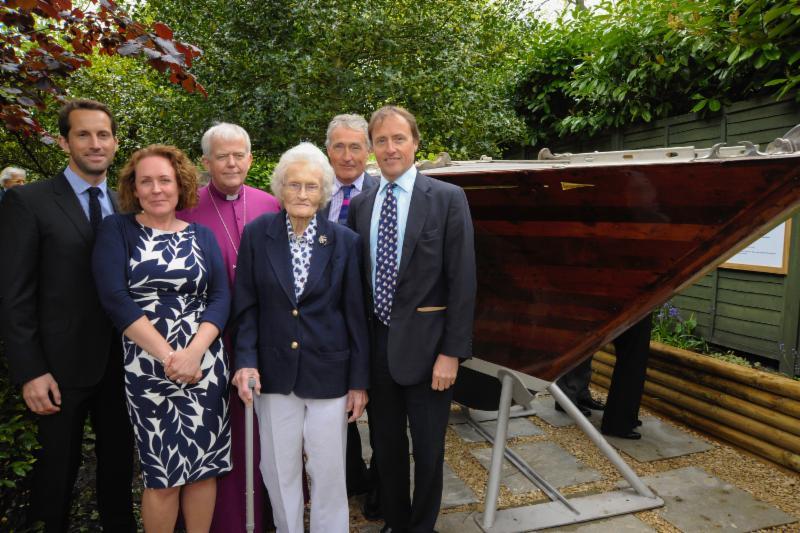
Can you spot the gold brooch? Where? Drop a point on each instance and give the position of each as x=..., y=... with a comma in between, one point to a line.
x=323, y=240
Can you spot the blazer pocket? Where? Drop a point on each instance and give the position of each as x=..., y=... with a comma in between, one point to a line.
x=430, y=235
x=431, y=309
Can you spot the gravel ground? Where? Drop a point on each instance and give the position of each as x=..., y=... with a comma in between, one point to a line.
x=765, y=481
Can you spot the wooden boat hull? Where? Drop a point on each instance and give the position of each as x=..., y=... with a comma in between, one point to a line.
x=570, y=257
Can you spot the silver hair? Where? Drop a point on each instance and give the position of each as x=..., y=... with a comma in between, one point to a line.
x=10, y=172
x=311, y=155
x=353, y=122
x=226, y=132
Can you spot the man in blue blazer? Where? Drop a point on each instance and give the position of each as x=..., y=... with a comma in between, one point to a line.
x=418, y=245
x=347, y=145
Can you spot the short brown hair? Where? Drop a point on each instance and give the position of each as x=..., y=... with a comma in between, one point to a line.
x=185, y=174
x=82, y=103
x=383, y=113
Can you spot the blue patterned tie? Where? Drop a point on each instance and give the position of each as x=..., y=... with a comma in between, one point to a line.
x=346, y=192
x=386, y=257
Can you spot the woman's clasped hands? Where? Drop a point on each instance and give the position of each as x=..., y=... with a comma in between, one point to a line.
x=183, y=366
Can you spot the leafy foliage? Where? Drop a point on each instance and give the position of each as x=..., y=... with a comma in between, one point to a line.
x=43, y=42
x=17, y=444
x=283, y=69
x=670, y=328
x=640, y=60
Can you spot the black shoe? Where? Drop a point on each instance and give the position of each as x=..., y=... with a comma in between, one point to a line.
x=585, y=411
x=372, y=505
x=591, y=403
x=630, y=434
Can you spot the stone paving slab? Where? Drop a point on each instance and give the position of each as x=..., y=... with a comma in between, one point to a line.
x=660, y=440
x=462, y=522
x=517, y=427
x=622, y=524
x=548, y=459
x=455, y=491
x=697, y=501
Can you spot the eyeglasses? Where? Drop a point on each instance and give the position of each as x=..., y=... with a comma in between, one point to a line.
x=296, y=187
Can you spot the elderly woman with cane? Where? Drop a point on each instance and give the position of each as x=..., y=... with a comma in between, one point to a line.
x=299, y=326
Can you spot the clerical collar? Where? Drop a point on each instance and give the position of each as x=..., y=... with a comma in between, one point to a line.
x=219, y=194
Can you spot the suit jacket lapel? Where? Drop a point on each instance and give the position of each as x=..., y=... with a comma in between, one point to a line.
x=322, y=249
x=69, y=203
x=278, y=254
x=364, y=228
x=417, y=213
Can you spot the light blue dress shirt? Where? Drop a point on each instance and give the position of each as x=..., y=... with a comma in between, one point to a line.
x=337, y=197
x=403, y=191
x=81, y=188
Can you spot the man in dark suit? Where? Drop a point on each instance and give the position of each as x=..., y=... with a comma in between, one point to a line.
x=347, y=144
x=419, y=248
x=60, y=344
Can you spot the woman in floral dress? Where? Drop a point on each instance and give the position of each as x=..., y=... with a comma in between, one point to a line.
x=163, y=282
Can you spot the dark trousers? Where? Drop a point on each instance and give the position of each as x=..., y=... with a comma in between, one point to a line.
x=426, y=412
x=57, y=461
x=356, y=470
x=627, y=382
x=575, y=383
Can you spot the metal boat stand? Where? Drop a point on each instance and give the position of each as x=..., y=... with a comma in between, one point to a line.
x=560, y=510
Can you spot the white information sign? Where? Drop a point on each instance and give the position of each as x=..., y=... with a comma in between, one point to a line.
x=770, y=253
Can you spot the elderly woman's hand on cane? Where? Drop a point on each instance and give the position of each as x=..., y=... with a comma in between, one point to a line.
x=240, y=381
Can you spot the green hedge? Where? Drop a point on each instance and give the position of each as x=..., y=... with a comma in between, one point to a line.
x=639, y=60
x=17, y=445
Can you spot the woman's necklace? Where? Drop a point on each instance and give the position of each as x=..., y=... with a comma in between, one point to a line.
x=225, y=226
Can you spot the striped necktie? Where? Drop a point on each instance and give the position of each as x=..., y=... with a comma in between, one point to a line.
x=347, y=190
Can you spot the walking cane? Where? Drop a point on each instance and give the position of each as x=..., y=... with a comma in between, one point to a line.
x=248, y=439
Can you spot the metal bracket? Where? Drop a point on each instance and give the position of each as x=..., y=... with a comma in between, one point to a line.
x=560, y=510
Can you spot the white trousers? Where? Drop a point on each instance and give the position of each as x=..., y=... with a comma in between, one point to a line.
x=287, y=426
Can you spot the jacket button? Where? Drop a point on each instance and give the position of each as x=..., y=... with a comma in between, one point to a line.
x=295, y=312
x=295, y=345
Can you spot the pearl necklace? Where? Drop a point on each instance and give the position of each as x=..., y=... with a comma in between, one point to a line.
x=225, y=226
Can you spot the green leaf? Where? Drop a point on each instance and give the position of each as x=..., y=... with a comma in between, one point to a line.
x=714, y=105
x=699, y=106
x=776, y=12
x=771, y=53
x=776, y=81
x=734, y=54
x=794, y=57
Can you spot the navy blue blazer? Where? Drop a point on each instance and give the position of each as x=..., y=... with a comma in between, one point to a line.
x=316, y=347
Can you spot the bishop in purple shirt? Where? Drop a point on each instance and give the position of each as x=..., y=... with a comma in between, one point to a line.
x=225, y=205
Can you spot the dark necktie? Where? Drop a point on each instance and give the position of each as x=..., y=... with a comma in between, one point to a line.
x=95, y=213
x=386, y=257
x=347, y=190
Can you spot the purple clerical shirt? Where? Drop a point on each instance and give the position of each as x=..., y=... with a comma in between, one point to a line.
x=227, y=215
